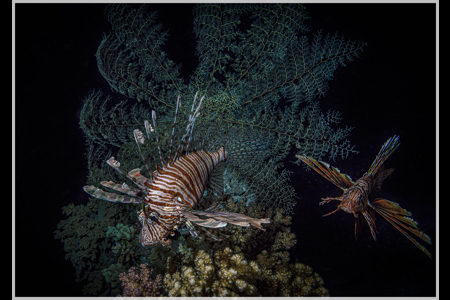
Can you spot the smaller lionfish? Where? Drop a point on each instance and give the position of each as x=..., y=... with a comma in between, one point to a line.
x=355, y=199
x=172, y=192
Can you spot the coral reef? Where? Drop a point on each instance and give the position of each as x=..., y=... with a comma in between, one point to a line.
x=111, y=275
x=125, y=242
x=83, y=235
x=227, y=273
x=223, y=275
x=140, y=284
x=278, y=278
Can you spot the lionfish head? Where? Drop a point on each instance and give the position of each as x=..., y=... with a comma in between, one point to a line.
x=152, y=232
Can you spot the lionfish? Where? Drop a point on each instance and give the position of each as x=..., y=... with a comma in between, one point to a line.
x=355, y=197
x=170, y=194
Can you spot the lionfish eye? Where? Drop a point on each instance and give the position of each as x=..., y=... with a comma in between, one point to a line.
x=152, y=217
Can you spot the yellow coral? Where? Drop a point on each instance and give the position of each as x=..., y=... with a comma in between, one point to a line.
x=284, y=240
x=226, y=275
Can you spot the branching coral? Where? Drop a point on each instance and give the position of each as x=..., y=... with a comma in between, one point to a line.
x=227, y=273
x=140, y=284
x=125, y=243
x=223, y=275
x=278, y=278
x=111, y=275
x=83, y=235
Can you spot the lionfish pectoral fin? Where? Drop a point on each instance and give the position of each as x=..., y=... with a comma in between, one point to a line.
x=399, y=218
x=359, y=223
x=123, y=188
x=331, y=212
x=214, y=206
x=101, y=194
x=370, y=219
x=210, y=222
x=216, y=236
x=233, y=218
x=191, y=229
x=138, y=178
x=205, y=233
x=333, y=174
x=328, y=199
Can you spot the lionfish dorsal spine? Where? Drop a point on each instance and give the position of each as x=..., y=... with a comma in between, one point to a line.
x=163, y=162
x=173, y=128
x=139, y=138
x=185, y=140
x=194, y=115
x=148, y=130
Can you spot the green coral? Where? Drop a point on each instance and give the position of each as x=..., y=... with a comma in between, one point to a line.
x=83, y=235
x=120, y=233
x=126, y=246
x=111, y=275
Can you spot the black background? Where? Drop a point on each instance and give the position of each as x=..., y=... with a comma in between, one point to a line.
x=390, y=89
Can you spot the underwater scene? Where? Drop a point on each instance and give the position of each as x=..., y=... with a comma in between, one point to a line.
x=225, y=150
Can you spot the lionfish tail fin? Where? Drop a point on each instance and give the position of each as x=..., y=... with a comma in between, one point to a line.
x=215, y=183
x=386, y=150
x=333, y=174
x=400, y=219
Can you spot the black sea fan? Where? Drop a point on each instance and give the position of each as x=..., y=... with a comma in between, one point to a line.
x=258, y=67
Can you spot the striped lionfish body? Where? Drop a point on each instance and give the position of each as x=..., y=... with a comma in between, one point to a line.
x=355, y=197
x=172, y=192
x=178, y=187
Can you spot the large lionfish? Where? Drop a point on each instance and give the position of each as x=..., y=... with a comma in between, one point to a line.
x=355, y=199
x=172, y=192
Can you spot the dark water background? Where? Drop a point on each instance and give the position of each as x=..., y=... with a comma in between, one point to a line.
x=389, y=90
